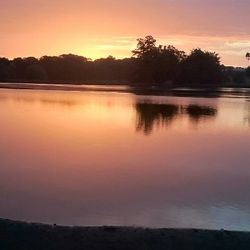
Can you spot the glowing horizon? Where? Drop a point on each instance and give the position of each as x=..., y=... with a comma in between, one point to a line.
x=96, y=29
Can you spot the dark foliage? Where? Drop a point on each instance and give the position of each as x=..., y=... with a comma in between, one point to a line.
x=235, y=75
x=150, y=64
x=63, y=68
x=248, y=72
x=156, y=64
x=201, y=67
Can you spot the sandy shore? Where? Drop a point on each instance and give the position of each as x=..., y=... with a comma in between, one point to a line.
x=21, y=235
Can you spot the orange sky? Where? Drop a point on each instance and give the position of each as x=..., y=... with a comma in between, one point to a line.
x=98, y=28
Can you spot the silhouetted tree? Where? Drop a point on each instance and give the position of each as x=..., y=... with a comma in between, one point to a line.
x=145, y=47
x=109, y=68
x=146, y=54
x=149, y=65
x=5, y=72
x=235, y=76
x=248, y=71
x=201, y=67
x=170, y=63
x=156, y=64
x=20, y=66
x=65, y=67
x=35, y=72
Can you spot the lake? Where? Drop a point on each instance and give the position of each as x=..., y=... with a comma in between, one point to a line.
x=117, y=158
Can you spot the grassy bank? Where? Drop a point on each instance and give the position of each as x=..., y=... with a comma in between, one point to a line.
x=20, y=235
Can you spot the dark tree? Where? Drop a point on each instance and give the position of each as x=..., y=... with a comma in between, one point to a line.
x=5, y=72
x=145, y=47
x=147, y=56
x=65, y=67
x=35, y=72
x=150, y=65
x=20, y=66
x=248, y=71
x=156, y=64
x=171, y=59
x=234, y=76
x=201, y=67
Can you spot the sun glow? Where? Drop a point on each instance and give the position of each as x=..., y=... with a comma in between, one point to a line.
x=97, y=29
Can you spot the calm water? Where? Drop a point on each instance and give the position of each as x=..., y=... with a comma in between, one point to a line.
x=98, y=158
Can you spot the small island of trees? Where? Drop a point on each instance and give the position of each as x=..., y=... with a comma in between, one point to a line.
x=149, y=65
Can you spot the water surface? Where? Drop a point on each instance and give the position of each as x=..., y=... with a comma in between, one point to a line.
x=107, y=158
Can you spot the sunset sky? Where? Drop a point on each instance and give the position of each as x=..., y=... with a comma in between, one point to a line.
x=98, y=28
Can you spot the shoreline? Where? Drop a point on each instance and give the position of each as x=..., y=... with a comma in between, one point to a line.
x=23, y=235
x=179, y=91
x=64, y=86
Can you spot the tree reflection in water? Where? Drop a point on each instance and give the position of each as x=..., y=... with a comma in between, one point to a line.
x=149, y=115
x=247, y=117
x=197, y=113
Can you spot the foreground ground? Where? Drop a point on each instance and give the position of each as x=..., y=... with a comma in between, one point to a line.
x=20, y=235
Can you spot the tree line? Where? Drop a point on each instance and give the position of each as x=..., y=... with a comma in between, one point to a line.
x=149, y=64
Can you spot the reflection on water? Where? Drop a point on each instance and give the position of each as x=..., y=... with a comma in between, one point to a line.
x=150, y=114
x=247, y=116
x=198, y=113
x=95, y=158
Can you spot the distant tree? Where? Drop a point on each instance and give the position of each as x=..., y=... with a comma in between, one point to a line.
x=105, y=68
x=4, y=69
x=64, y=67
x=73, y=67
x=35, y=72
x=238, y=77
x=50, y=65
x=234, y=75
x=156, y=65
x=20, y=66
x=248, y=71
x=171, y=60
x=201, y=67
x=145, y=47
x=150, y=64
